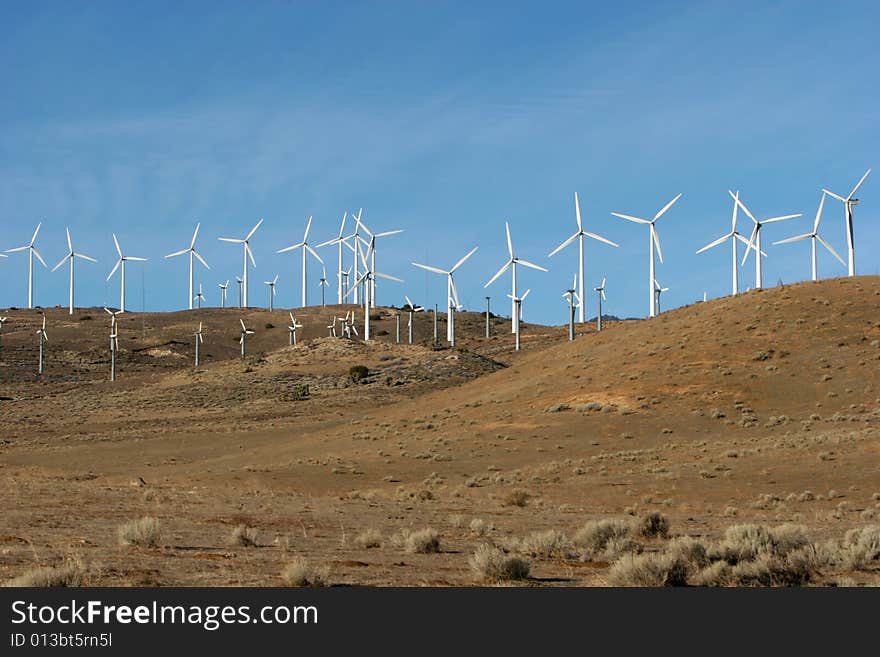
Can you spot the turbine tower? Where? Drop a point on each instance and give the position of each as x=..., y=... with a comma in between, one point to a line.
x=600, y=297
x=341, y=240
x=658, y=291
x=243, y=282
x=579, y=236
x=323, y=283
x=368, y=276
x=32, y=251
x=755, y=239
x=849, y=202
x=120, y=264
x=653, y=240
x=306, y=248
x=223, y=287
x=733, y=236
x=72, y=256
x=814, y=236
x=200, y=297
x=512, y=262
x=192, y=254
x=271, y=285
x=451, y=293
x=371, y=248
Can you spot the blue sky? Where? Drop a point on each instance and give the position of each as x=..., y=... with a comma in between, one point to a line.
x=445, y=119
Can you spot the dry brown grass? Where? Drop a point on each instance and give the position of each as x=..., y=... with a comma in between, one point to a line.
x=244, y=536
x=369, y=538
x=302, y=572
x=143, y=532
x=62, y=576
x=491, y=564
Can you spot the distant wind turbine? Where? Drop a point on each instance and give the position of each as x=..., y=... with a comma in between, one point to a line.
x=243, y=282
x=120, y=264
x=579, y=236
x=271, y=285
x=733, y=236
x=306, y=248
x=755, y=239
x=72, y=256
x=600, y=297
x=849, y=202
x=192, y=254
x=654, y=241
x=451, y=292
x=814, y=236
x=511, y=263
x=223, y=287
x=32, y=251
x=341, y=240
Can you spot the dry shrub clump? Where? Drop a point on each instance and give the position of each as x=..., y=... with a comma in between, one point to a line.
x=491, y=564
x=649, y=569
x=369, y=538
x=517, y=498
x=301, y=572
x=549, y=543
x=244, y=536
x=423, y=541
x=604, y=540
x=653, y=524
x=68, y=575
x=860, y=547
x=143, y=532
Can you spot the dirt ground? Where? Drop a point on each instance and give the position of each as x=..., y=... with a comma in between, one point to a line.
x=762, y=408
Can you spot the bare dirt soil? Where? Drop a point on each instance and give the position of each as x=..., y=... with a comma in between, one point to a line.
x=758, y=409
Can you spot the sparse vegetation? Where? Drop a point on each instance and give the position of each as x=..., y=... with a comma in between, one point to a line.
x=492, y=564
x=301, y=572
x=244, y=536
x=604, y=540
x=70, y=574
x=369, y=538
x=423, y=541
x=143, y=532
x=358, y=373
x=519, y=498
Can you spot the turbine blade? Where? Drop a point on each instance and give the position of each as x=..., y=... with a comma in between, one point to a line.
x=735, y=208
x=308, y=228
x=782, y=218
x=436, y=270
x=115, y=267
x=39, y=257
x=314, y=253
x=742, y=205
x=135, y=258
x=796, y=238
x=819, y=213
x=564, y=244
x=116, y=242
x=289, y=248
x=36, y=231
x=830, y=248
x=253, y=230
x=387, y=277
x=388, y=232
x=177, y=253
x=500, y=271
x=665, y=208
x=247, y=249
x=750, y=244
x=69, y=241
x=832, y=194
x=195, y=234
x=656, y=239
x=711, y=245
x=858, y=184
x=631, y=218
x=577, y=211
x=200, y=259
x=63, y=260
x=526, y=263
x=229, y=239
x=18, y=248
x=464, y=259
x=599, y=238
x=84, y=257
x=509, y=241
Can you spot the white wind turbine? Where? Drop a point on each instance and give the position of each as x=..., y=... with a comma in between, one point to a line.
x=71, y=256
x=574, y=301
x=32, y=251
x=341, y=240
x=223, y=287
x=412, y=309
x=114, y=340
x=291, y=330
x=271, y=285
x=323, y=283
x=658, y=291
x=238, y=282
x=849, y=202
x=243, y=281
x=3, y=320
x=245, y=331
x=600, y=297
x=371, y=249
x=120, y=264
x=579, y=236
x=192, y=254
x=368, y=276
x=755, y=239
x=517, y=307
x=199, y=340
x=512, y=263
x=733, y=236
x=451, y=292
x=41, y=334
x=653, y=240
x=814, y=236
x=200, y=297
x=304, y=245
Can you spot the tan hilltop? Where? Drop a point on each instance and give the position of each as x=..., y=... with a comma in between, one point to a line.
x=758, y=411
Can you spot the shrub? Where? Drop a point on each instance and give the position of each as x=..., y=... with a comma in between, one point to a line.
x=494, y=565
x=860, y=547
x=423, y=541
x=68, y=575
x=270, y=325
x=244, y=536
x=517, y=498
x=651, y=569
x=85, y=318
x=652, y=524
x=301, y=572
x=141, y=533
x=603, y=539
x=369, y=538
x=549, y=543
x=357, y=373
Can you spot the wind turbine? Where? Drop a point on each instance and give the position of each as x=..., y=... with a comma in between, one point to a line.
x=120, y=264
x=72, y=255
x=332, y=327
x=345, y=276
x=32, y=251
x=517, y=306
x=238, y=282
x=41, y=333
x=3, y=320
x=412, y=309
x=755, y=239
x=600, y=297
x=245, y=331
x=368, y=276
x=573, y=299
x=323, y=283
x=114, y=340
x=291, y=330
x=653, y=240
x=512, y=263
x=579, y=236
x=304, y=245
x=814, y=236
x=849, y=202
x=658, y=290
x=733, y=236
x=223, y=287
x=451, y=292
x=340, y=241
x=271, y=285
x=243, y=281
x=199, y=341
x=192, y=254
x=371, y=249
x=200, y=297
